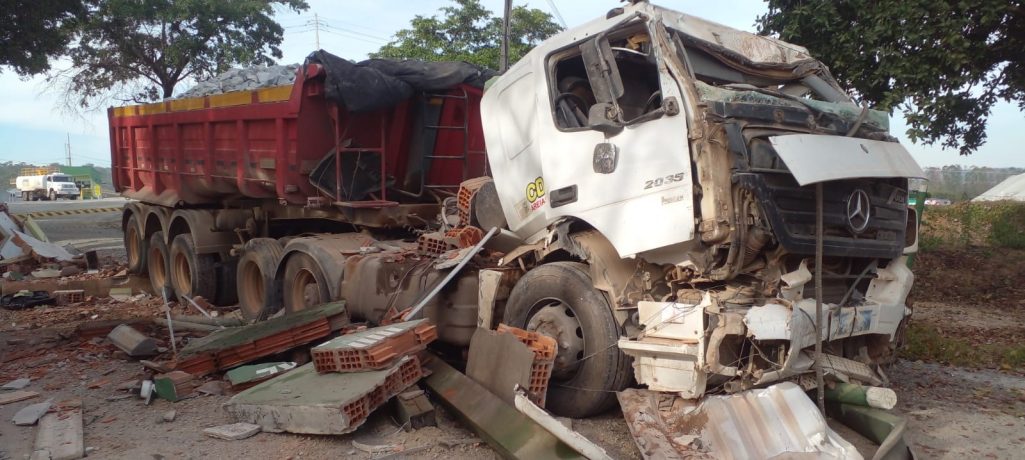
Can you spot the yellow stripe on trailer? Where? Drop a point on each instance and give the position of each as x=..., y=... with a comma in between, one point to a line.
x=235, y=98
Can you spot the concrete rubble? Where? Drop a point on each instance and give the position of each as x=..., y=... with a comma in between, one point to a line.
x=243, y=80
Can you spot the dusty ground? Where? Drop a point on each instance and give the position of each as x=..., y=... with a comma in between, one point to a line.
x=952, y=411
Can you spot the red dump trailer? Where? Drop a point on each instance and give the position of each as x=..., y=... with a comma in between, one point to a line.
x=222, y=175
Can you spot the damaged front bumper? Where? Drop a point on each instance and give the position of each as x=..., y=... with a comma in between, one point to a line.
x=694, y=349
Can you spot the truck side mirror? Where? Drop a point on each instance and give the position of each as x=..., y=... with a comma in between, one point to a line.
x=602, y=71
x=602, y=117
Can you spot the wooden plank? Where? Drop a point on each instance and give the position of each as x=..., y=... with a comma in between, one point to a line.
x=60, y=433
x=8, y=397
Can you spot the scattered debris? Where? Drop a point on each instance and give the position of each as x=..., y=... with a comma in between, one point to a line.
x=168, y=417
x=305, y=401
x=667, y=426
x=26, y=299
x=565, y=434
x=8, y=397
x=155, y=366
x=60, y=436
x=228, y=348
x=509, y=432
x=213, y=387
x=233, y=432
x=121, y=294
x=132, y=341
x=373, y=349
x=69, y=296
x=545, y=349
x=375, y=448
x=255, y=373
x=117, y=397
x=31, y=413
x=414, y=411
x=16, y=384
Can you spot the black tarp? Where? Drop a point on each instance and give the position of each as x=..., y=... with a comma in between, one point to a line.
x=375, y=84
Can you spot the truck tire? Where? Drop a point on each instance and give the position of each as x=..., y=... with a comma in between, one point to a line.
x=135, y=247
x=52, y=196
x=304, y=285
x=560, y=301
x=259, y=292
x=156, y=263
x=191, y=274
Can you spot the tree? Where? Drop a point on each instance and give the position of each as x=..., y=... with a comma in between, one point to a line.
x=469, y=32
x=139, y=50
x=943, y=62
x=34, y=31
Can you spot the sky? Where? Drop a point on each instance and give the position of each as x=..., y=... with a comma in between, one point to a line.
x=33, y=130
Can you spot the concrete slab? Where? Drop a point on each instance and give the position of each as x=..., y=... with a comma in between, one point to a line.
x=132, y=341
x=60, y=433
x=499, y=362
x=31, y=413
x=303, y=401
x=233, y=432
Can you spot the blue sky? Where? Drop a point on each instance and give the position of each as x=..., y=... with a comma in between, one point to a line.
x=33, y=130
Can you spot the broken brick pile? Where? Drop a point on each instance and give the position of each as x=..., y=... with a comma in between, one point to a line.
x=544, y=349
x=373, y=349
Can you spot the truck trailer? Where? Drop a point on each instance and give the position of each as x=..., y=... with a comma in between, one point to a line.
x=644, y=187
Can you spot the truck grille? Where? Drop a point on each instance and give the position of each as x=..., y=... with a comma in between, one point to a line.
x=790, y=210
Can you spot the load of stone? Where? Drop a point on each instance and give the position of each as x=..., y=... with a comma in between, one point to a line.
x=244, y=80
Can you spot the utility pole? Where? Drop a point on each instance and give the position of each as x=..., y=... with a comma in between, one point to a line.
x=316, y=34
x=505, y=37
x=67, y=149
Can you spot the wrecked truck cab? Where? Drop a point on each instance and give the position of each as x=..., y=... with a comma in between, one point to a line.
x=674, y=160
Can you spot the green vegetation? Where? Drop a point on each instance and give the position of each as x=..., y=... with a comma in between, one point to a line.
x=139, y=50
x=999, y=224
x=944, y=63
x=469, y=32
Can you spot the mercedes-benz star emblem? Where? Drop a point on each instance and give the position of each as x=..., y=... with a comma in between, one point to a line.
x=859, y=210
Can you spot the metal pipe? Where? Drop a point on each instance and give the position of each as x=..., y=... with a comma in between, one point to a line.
x=170, y=324
x=818, y=299
x=437, y=288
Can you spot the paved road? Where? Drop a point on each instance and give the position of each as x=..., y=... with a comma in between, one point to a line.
x=100, y=230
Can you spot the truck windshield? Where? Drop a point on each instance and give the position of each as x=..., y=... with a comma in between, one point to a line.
x=60, y=179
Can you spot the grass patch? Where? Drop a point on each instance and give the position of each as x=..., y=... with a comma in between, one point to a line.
x=927, y=343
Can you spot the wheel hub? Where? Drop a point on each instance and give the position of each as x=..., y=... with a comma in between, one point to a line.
x=555, y=319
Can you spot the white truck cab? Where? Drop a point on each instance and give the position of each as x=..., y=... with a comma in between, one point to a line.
x=670, y=164
x=47, y=187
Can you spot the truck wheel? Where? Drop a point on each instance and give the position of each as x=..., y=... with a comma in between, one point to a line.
x=560, y=301
x=53, y=196
x=304, y=285
x=259, y=293
x=135, y=247
x=192, y=274
x=156, y=263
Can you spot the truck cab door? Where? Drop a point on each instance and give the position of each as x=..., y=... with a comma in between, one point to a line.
x=616, y=153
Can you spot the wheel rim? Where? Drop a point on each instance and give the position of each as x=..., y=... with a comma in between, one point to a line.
x=305, y=291
x=157, y=272
x=132, y=235
x=556, y=319
x=181, y=274
x=253, y=290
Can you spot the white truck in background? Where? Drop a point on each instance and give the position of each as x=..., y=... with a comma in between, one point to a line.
x=46, y=187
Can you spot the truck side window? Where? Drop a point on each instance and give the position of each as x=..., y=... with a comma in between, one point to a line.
x=572, y=94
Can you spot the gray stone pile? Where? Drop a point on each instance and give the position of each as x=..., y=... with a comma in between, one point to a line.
x=244, y=80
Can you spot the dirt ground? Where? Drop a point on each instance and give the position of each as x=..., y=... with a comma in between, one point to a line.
x=952, y=412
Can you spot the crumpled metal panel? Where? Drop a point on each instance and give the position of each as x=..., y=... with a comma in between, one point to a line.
x=775, y=422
